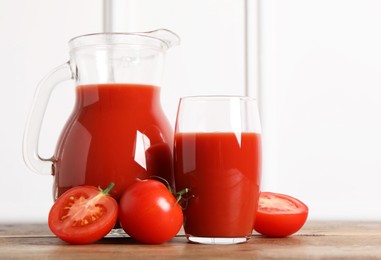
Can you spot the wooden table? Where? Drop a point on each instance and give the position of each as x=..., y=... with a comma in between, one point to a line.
x=328, y=240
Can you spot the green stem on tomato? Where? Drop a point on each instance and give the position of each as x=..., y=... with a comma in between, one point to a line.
x=166, y=182
x=177, y=195
x=108, y=189
x=180, y=194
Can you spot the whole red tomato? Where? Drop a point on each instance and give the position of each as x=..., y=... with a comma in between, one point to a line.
x=279, y=215
x=83, y=214
x=149, y=213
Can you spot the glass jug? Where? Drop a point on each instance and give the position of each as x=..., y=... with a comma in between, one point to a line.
x=117, y=131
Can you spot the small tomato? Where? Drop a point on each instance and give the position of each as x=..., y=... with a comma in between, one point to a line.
x=149, y=213
x=83, y=214
x=279, y=215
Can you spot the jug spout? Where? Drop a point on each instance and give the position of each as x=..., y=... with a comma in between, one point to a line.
x=169, y=38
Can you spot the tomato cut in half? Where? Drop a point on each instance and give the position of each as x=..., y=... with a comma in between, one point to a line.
x=83, y=215
x=149, y=212
x=279, y=215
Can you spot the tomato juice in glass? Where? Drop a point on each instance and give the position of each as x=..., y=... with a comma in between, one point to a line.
x=116, y=133
x=217, y=156
x=223, y=173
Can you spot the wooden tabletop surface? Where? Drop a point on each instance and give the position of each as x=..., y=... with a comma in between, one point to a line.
x=317, y=240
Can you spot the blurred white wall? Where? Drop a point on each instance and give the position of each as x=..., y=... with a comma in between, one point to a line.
x=320, y=93
x=318, y=74
x=34, y=36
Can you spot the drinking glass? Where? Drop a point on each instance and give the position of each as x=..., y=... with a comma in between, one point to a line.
x=217, y=156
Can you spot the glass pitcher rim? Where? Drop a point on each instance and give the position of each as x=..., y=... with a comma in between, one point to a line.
x=106, y=38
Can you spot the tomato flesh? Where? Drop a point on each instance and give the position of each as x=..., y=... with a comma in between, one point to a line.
x=149, y=213
x=83, y=215
x=279, y=215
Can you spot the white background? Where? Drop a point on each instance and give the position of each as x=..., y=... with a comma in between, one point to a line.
x=318, y=77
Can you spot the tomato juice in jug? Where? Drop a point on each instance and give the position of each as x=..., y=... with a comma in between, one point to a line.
x=116, y=133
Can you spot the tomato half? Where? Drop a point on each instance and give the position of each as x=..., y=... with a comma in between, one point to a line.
x=279, y=215
x=149, y=213
x=83, y=215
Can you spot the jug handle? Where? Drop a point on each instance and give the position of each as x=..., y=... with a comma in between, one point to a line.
x=34, y=121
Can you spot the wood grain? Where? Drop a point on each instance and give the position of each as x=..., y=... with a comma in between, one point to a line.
x=317, y=240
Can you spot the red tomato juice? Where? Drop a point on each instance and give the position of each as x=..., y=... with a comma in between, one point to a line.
x=116, y=133
x=222, y=171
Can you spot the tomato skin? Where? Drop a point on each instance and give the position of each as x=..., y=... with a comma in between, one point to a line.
x=149, y=213
x=279, y=215
x=70, y=224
